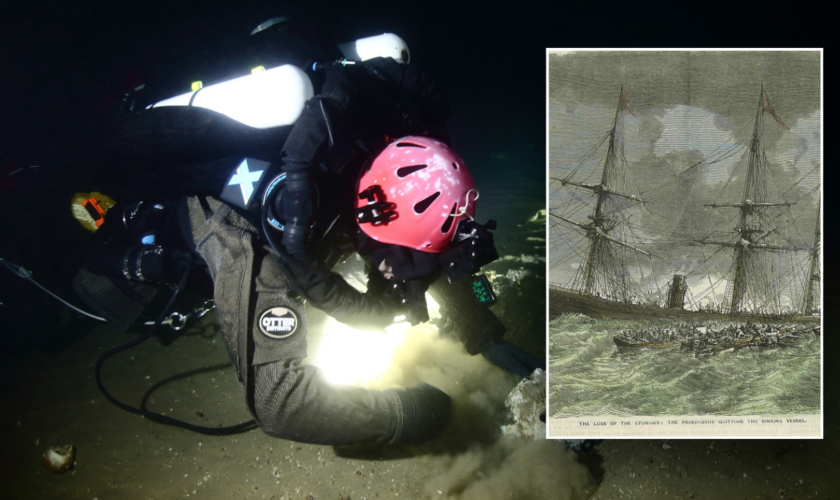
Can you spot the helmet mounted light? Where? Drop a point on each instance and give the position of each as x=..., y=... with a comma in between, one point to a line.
x=377, y=211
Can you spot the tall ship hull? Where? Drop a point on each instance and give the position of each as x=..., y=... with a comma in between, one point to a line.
x=565, y=301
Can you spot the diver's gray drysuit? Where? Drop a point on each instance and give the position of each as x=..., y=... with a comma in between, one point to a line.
x=289, y=399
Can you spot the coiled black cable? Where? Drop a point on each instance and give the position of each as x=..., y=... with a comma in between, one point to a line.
x=157, y=417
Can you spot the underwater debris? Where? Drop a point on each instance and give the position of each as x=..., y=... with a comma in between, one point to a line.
x=517, y=274
x=538, y=217
x=59, y=459
x=526, y=402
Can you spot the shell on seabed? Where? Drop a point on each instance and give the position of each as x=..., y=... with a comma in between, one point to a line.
x=58, y=459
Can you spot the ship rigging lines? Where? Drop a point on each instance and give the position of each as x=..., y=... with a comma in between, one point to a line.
x=608, y=257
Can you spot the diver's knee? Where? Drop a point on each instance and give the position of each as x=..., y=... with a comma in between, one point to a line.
x=273, y=421
x=274, y=432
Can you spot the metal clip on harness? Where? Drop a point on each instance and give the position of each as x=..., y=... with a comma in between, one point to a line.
x=178, y=321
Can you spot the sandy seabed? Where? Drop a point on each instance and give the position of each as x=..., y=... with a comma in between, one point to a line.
x=54, y=401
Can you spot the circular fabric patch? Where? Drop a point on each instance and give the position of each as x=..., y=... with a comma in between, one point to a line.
x=278, y=322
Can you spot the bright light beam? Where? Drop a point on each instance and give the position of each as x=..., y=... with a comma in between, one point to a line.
x=348, y=356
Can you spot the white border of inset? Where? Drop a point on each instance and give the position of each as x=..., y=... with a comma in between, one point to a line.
x=547, y=247
x=724, y=429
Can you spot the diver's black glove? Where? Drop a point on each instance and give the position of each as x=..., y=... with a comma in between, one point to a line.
x=510, y=358
x=426, y=410
x=411, y=294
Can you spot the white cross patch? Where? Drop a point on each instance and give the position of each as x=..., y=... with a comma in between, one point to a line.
x=245, y=179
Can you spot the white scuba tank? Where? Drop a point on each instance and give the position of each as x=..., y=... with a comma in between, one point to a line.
x=384, y=45
x=263, y=99
x=276, y=97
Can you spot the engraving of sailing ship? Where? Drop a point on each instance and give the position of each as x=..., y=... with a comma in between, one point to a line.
x=771, y=275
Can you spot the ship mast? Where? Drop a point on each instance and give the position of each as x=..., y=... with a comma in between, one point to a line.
x=598, y=220
x=753, y=200
x=601, y=224
x=813, y=275
x=754, y=190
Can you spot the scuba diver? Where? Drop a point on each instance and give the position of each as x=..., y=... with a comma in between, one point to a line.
x=365, y=168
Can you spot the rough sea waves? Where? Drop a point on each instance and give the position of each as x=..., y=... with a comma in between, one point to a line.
x=590, y=376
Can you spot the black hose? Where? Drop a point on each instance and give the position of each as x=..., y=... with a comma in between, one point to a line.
x=157, y=417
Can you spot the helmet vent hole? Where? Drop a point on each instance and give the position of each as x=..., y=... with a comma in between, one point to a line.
x=448, y=224
x=403, y=171
x=424, y=204
x=410, y=145
x=454, y=165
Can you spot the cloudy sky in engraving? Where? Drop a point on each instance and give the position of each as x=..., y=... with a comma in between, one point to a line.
x=687, y=106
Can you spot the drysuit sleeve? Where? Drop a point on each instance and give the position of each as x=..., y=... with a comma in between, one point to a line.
x=330, y=293
x=463, y=317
